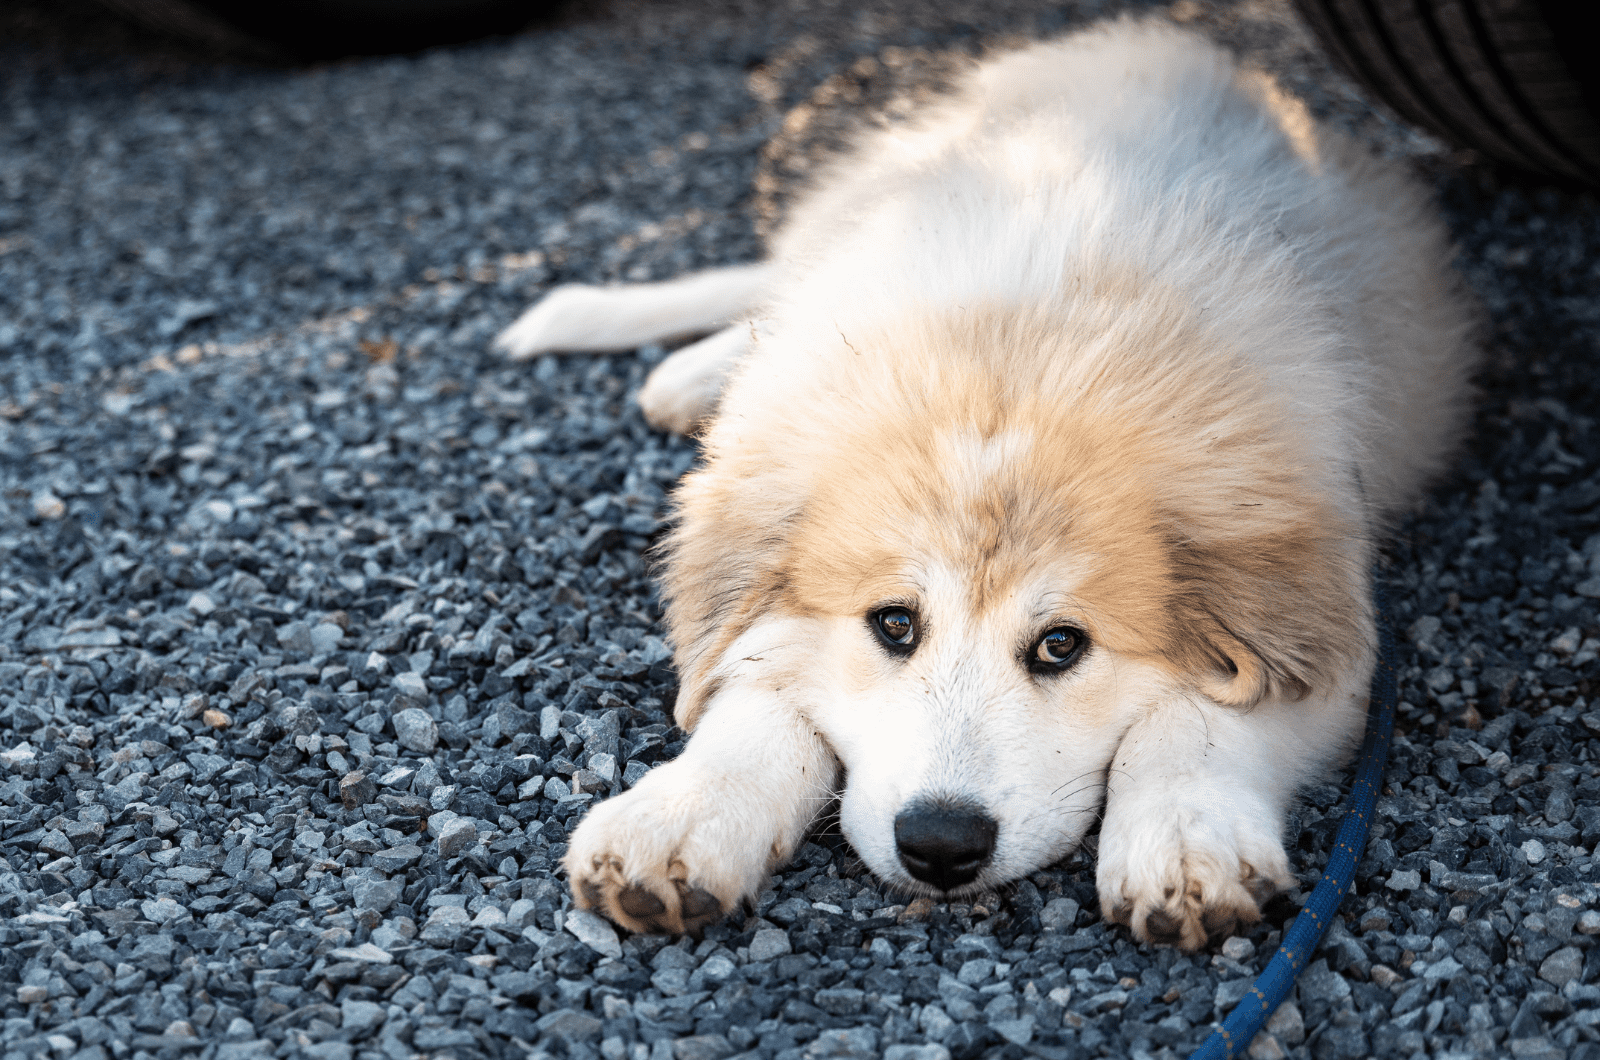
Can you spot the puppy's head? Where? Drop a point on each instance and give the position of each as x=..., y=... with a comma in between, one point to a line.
x=972, y=549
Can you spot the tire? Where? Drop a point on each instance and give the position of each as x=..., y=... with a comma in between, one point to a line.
x=327, y=29
x=1505, y=78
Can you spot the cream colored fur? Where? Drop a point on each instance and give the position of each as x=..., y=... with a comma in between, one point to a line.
x=1116, y=340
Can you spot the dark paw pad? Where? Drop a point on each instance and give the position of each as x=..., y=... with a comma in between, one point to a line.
x=699, y=908
x=640, y=903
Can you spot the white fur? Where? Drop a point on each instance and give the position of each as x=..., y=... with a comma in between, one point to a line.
x=683, y=389
x=1196, y=797
x=728, y=811
x=1060, y=171
x=582, y=319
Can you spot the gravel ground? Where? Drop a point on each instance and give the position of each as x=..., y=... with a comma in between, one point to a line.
x=319, y=627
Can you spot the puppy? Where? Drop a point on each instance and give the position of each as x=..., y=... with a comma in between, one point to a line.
x=1054, y=442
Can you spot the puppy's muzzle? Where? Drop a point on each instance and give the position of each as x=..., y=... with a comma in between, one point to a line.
x=944, y=843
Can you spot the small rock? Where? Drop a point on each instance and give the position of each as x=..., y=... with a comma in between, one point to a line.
x=32, y=995
x=456, y=835
x=569, y=1025
x=1059, y=914
x=216, y=719
x=295, y=637
x=840, y=1001
x=916, y=1052
x=434, y=1039
x=1540, y=1048
x=769, y=943
x=1287, y=1024
x=356, y=789
x=1320, y=982
x=206, y=767
x=855, y=1042
x=359, y=1017
x=411, y=688
x=604, y=766
x=325, y=638
x=366, y=953
x=1238, y=949
x=1385, y=976
x=202, y=604
x=1404, y=880
x=20, y=755
x=56, y=842
x=414, y=729
x=445, y=924
x=1266, y=1046
x=1562, y=966
x=377, y=895
x=48, y=506
x=1343, y=1042
x=975, y=972
x=397, y=859
x=1534, y=851
x=162, y=910
x=702, y=1047
x=1443, y=969
x=593, y=931
x=1017, y=1031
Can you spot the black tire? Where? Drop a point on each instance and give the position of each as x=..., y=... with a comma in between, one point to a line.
x=326, y=29
x=1505, y=78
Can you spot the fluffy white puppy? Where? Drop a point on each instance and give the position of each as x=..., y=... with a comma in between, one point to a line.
x=1053, y=444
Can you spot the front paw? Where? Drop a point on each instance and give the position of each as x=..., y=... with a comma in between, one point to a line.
x=1185, y=876
x=669, y=856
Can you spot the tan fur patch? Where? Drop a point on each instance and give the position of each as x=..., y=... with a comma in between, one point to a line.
x=1154, y=462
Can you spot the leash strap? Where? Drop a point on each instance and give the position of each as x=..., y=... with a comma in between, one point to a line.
x=1233, y=1038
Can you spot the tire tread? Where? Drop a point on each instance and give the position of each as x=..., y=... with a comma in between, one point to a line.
x=1483, y=74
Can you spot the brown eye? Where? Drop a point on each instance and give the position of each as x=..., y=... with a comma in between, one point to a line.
x=897, y=628
x=1057, y=650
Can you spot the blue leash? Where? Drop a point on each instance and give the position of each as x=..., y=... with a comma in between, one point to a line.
x=1239, y=1029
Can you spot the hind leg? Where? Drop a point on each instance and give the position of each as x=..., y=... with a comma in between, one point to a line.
x=582, y=319
x=683, y=390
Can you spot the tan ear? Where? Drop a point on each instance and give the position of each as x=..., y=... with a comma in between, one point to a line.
x=1237, y=679
x=722, y=566
x=1270, y=619
x=1239, y=675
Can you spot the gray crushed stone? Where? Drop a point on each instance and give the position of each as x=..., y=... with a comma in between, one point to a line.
x=320, y=628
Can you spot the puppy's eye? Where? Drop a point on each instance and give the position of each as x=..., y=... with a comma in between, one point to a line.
x=1057, y=650
x=897, y=628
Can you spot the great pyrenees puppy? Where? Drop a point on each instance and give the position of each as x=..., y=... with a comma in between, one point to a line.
x=1045, y=462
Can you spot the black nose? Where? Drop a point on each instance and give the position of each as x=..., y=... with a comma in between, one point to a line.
x=944, y=844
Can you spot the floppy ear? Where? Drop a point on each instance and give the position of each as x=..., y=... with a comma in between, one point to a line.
x=723, y=565
x=1271, y=616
